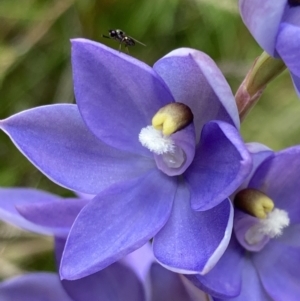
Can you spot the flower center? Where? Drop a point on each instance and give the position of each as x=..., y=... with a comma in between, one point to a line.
x=259, y=221
x=272, y=226
x=160, y=144
x=171, y=138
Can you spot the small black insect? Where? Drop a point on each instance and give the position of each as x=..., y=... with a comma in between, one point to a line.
x=294, y=2
x=120, y=36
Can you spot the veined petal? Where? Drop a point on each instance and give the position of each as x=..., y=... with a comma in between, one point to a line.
x=252, y=289
x=33, y=287
x=288, y=45
x=120, y=281
x=221, y=164
x=192, y=241
x=117, y=95
x=219, y=282
x=195, y=80
x=263, y=19
x=55, y=139
x=117, y=222
x=277, y=265
x=57, y=215
x=278, y=177
x=12, y=197
x=114, y=283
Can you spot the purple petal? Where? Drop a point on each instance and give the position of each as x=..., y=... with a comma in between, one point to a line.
x=140, y=261
x=192, y=241
x=278, y=268
x=58, y=216
x=278, y=177
x=55, y=139
x=120, y=281
x=11, y=197
x=219, y=282
x=288, y=46
x=185, y=140
x=296, y=82
x=117, y=95
x=33, y=287
x=221, y=164
x=194, y=293
x=114, y=283
x=167, y=286
x=117, y=222
x=252, y=289
x=195, y=80
x=259, y=153
x=263, y=19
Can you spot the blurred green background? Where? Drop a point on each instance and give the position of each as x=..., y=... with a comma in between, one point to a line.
x=35, y=61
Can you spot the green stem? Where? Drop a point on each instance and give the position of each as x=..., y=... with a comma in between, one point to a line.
x=264, y=69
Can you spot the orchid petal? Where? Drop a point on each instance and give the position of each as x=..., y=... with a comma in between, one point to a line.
x=117, y=95
x=221, y=164
x=11, y=197
x=219, y=282
x=277, y=265
x=55, y=139
x=280, y=183
x=117, y=222
x=263, y=19
x=252, y=288
x=58, y=215
x=195, y=80
x=114, y=283
x=259, y=153
x=140, y=261
x=33, y=287
x=167, y=285
x=192, y=241
x=117, y=282
x=288, y=46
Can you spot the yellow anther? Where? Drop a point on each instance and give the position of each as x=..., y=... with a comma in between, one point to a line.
x=254, y=202
x=172, y=118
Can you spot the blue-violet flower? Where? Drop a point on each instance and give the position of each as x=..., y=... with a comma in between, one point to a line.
x=264, y=252
x=159, y=147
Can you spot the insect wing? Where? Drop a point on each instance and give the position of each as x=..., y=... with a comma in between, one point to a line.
x=136, y=41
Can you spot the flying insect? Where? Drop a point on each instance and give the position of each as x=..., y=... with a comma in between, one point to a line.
x=121, y=37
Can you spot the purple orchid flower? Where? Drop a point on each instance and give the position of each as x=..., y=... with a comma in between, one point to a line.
x=276, y=27
x=136, y=277
x=263, y=255
x=174, y=187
